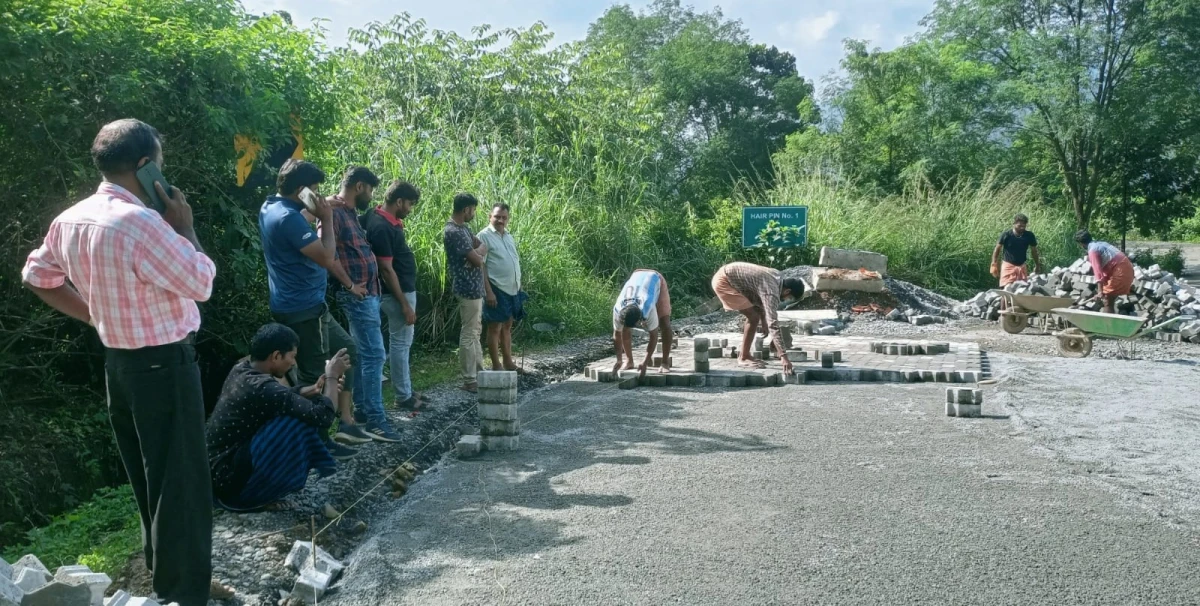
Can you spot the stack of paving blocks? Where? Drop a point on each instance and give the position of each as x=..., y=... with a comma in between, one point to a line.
x=700, y=354
x=29, y=582
x=963, y=402
x=316, y=572
x=499, y=424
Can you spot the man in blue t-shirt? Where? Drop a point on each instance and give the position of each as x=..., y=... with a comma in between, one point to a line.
x=299, y=263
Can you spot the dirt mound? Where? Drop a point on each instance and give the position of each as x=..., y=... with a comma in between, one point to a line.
x=899, y=295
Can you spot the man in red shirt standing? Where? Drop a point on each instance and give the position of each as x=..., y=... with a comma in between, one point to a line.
x=136, y=275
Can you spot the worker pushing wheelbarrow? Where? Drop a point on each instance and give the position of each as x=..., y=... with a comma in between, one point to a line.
x=1076, y=342
x=1017, y=309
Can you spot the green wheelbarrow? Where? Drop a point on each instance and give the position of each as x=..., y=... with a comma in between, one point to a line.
x=1017, y=309
x=1076, y=342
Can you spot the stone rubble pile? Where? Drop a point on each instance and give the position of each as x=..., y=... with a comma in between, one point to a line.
x=27, y=582
x=1156, y=295
x=914, y=316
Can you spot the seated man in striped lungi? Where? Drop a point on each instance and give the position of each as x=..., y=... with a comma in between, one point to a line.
x=264, y=437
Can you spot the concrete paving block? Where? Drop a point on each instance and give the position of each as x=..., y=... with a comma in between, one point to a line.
x=821, y=374
x=489, y=427
x=928, y=376
x=10, y=593
x=716, y=352
x=499, y=412
x=853, y=259
x=951, y=409
x=469, y=446
x=891, y=376
x=676, y=379
x=30, y=561
x=301, y=557
x=71, y=570
x=970, y=410
x=968, y=376
x=826, y=330
x=912, y=376
x=942, y=376
x=590, y=373
x=700, y=344
x=738, y=379
x=120, y=598
x=849, y=374
x=837, y=355
x=6, y=570
x=700, y=356
x=699, y=366
x=658, y=361
x=68, y=591
x=494, y=395
x=653, y=379
x=718, y=380
x=310, y=586
x=797, y=377
x=754, y=379
x=605, y=376
x=868, y=375
x=827, y=359
x=697, y=379
x=30, y=579
x=97, y=582
x=892, y=350
x=774, y=378
x=497, y=379
x=627, y=383
x=501, y=443
x=797, y=356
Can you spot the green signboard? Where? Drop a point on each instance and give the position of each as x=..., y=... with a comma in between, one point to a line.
x=756, y=218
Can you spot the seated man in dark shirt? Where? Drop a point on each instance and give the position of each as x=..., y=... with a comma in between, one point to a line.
x=264, y=437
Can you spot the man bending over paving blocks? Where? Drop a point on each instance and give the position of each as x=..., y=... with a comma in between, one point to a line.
x=644, y=300
x=756, y=291
x=264, y=437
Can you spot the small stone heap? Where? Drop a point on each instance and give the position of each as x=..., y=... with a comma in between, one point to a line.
x=499, y=423
x=915, y=317
x=28, y=582
x=1156, y=295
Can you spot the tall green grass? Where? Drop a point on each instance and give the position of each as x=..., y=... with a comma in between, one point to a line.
x=938, y=238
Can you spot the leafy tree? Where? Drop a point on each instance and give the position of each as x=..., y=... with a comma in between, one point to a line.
x=728, y=104
x=922, y=108
x=1079, y=73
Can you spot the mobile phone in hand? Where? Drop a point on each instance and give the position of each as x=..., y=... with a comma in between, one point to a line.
x=148, y=175
x=310, y=200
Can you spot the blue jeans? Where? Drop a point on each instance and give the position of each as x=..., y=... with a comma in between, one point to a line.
x=368, y=368
x=400, y=340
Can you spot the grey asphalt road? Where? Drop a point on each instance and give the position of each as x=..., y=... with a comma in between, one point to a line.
x=815, y=494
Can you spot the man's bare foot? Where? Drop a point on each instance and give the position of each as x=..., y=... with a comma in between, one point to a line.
x=616, y=367
x=752, y=363
x=664, y=369
x=472, y=387
x=217, y=591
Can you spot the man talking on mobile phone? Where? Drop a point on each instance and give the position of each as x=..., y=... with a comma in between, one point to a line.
x=136, y=275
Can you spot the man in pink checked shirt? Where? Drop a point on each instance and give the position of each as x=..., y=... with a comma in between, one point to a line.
x=135, y=276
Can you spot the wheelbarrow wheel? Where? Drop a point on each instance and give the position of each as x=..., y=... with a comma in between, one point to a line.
x=1013, y=322
x=1072, y=343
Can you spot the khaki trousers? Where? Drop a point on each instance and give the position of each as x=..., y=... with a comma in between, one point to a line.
x=470, y=352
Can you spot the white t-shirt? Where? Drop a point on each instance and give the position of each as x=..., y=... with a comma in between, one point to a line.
x=642, y=289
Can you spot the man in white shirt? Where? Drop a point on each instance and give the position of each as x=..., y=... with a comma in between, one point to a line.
x=505, y=302
x=645, y=301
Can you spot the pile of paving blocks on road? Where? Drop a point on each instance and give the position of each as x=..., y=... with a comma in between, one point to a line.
x=914, y=317
x=1156, y=295
x=316, y=572
x=964, y=402
x=28, y=582
x=499, y=421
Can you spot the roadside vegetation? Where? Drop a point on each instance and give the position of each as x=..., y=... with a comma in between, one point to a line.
x=634, y=147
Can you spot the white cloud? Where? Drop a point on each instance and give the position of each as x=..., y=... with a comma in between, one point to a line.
x=812, y=30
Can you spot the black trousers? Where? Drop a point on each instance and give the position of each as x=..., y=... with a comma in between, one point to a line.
x=157, y=413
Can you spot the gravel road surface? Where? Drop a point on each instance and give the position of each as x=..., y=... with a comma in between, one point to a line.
x=1081, y=486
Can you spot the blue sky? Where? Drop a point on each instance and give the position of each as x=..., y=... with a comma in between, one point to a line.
x=812, y=30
